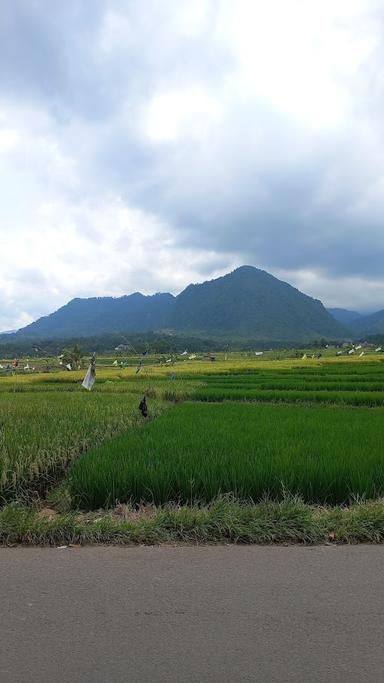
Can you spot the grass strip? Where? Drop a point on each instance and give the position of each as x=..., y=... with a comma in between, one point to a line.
x=224, y=521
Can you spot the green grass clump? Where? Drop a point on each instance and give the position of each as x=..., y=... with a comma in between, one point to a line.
x=199, y=451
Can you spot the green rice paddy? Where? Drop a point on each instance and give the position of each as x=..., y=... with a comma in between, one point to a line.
x=245, y=427
x=197, y=452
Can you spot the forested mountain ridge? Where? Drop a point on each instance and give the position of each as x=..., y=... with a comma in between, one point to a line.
x=246, y=303
x=100, y=315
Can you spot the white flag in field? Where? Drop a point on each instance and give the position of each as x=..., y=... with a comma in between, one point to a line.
x=89, y=378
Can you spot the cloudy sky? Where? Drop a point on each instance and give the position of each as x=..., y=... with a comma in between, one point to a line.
x=146, y=144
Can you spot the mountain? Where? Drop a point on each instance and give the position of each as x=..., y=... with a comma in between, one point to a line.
x=247, y=303
x=344, y=316
x=250, y=301
x=358, y=324
x=368, y=325
x=100, y=315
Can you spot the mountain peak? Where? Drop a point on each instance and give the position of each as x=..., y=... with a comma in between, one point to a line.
x=246, y=269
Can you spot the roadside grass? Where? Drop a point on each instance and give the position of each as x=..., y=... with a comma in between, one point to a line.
x=200, y=451
x=225, y=520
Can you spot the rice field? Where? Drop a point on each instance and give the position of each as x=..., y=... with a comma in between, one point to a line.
x=239, y=425
x=352, y=398
x=41, y=432
x=353, y=385
x=197, y=452
x=47, y=420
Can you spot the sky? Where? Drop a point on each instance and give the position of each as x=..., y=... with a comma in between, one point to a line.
x=147, y=144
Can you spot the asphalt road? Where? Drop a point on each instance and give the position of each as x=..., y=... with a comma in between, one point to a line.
x=183, y=614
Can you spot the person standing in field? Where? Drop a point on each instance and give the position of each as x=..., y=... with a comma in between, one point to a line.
x=143, y=407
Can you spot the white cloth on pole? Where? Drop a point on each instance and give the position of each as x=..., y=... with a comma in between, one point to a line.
x=89, y=378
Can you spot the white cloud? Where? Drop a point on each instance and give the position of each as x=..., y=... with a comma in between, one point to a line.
x=94, y=248
x=301, y=57
x=188, y=111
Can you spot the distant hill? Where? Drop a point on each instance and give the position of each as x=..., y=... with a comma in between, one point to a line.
x=369, y=325
x=344, y=316
x=247, y=303
x=358, y=324
x=101, y=315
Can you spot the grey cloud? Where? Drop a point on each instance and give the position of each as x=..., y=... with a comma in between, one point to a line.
x=31, y=275
x=56, y=54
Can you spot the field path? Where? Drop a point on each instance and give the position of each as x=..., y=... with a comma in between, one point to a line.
x=225, y=614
